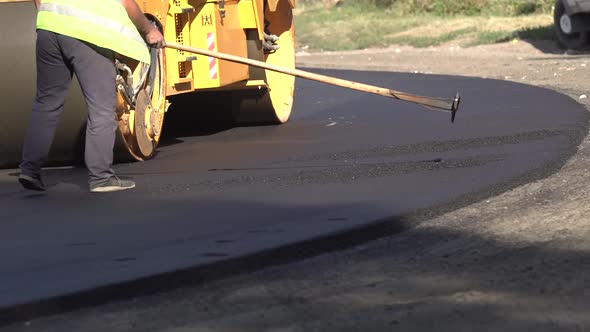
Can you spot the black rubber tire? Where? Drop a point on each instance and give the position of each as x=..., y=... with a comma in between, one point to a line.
x=573, y=41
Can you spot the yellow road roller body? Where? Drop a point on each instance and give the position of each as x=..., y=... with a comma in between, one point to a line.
x=235, y=27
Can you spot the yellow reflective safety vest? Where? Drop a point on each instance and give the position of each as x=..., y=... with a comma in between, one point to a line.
x=104, y=23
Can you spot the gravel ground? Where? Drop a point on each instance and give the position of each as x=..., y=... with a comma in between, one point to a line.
x=518, y=261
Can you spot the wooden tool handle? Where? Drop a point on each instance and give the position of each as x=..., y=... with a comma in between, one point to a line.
x=450, y=105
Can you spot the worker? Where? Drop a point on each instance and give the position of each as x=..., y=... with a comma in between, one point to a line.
x=80, y=37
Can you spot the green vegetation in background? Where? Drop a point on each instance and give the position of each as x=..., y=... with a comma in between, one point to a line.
x=358, y=24
x=467, y=7
x=453, y=7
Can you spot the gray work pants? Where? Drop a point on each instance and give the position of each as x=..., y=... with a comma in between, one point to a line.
x=58, y=58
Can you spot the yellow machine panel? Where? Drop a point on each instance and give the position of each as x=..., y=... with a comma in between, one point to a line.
x=203, y=24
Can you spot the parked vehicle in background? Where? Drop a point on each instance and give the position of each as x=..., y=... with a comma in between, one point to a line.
x=572, y=23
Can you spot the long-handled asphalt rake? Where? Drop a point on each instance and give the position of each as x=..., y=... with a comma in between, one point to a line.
x=441, y=104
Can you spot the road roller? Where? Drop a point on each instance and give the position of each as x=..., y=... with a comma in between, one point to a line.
x=241, y=50
x=260, y=30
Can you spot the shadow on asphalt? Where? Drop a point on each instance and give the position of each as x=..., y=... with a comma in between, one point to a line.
x=229, y=266
x=421, y=277
x=198, y=114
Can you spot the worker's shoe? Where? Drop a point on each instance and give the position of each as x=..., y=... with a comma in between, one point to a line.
x=31, y=182
x=113, y=184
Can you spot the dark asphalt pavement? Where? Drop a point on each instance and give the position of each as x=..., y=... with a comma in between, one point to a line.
x=345, y=161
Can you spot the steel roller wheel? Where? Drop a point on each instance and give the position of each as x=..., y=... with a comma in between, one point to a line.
x=273, y=104
x=140, y=123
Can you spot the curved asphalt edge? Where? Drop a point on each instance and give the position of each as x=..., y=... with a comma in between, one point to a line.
x=279, y=255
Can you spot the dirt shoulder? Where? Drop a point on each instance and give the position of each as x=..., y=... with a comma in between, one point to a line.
x=542, y=64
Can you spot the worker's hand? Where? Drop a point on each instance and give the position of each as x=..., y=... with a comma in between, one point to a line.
x=269, y=43
x=154, y=38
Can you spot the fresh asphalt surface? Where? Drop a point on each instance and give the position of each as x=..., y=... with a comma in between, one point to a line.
x=346, y=160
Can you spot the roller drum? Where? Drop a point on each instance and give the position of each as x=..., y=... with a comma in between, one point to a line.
x=274, y=104
x=17, y=66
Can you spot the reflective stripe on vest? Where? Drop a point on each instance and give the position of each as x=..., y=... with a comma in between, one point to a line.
x=106, y=25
